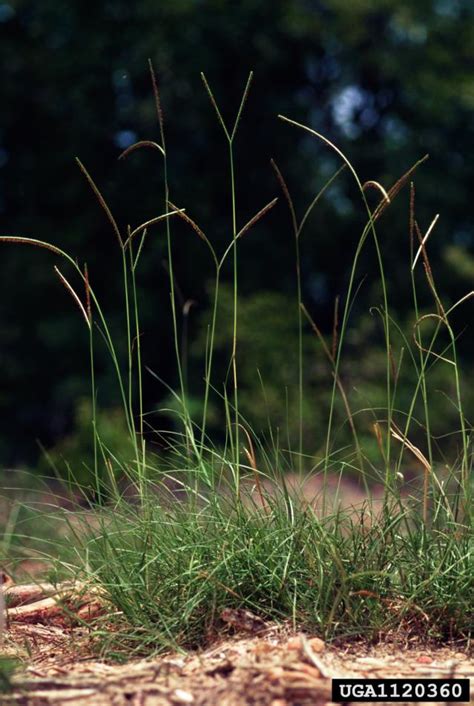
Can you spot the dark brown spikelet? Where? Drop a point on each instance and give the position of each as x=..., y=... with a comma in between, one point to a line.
x=257, y=217
x=103, y=203
x=428, y=272
x=140, y=145
x=30, y=241
x=242, y=103
x=73, y=294
x=399, y=184
x=188, y=220
x=286, y=193
x=156, y=94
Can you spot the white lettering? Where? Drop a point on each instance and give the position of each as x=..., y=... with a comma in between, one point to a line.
x=444, y=691
x=345, y=690
x=370, y=692
x=394, y=693
x=419, y=690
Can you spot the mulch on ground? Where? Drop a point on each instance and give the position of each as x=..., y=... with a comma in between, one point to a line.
x=273, y=667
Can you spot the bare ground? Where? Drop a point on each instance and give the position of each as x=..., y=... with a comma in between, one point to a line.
x=274, y=667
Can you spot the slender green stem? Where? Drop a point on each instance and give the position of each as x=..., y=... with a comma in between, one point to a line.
x=173, y=293
x=465, y=441
x=230, y=136
x=209, y=358
x=422, y=371
x=129, y=356
x=297, y=230
x=369, y=228
x=235, y=312
x=187, y=425
x=300, y=353
x=136, y=315
x=94, y=411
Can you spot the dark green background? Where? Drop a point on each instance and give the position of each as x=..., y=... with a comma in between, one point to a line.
x=388, y=81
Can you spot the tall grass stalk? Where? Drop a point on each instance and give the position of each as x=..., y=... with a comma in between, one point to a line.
x=297, y=230
x=133, y=262
x=125, y=279
x=166, y=198
x=417, y=332
x=230, y=137
x=369, y=228
x=125, y=387
x=95, y=430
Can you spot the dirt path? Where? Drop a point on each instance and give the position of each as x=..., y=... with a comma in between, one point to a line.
x=272, y=668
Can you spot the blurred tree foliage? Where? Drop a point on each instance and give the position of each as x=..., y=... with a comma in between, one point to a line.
x=387, y=81
x=72, y=457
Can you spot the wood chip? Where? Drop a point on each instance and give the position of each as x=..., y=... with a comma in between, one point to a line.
x=180, y=696
x=243, y=620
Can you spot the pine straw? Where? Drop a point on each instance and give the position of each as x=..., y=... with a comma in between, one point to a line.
x=268, y=669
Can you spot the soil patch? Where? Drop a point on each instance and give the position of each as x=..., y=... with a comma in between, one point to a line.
x=275, y=667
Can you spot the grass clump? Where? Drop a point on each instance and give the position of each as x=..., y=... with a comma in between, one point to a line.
x=209, y=525
x=171, y=572
x=8, y=666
